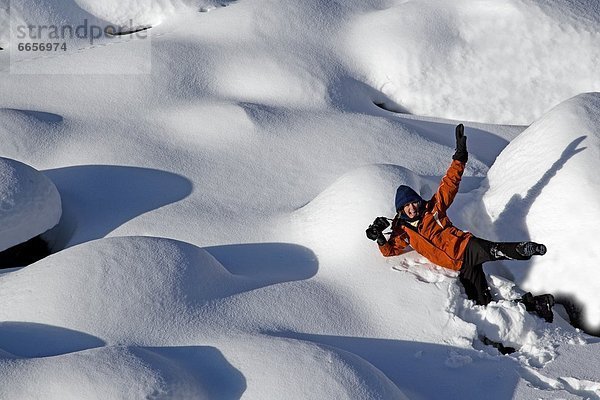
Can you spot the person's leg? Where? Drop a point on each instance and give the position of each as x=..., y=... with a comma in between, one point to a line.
x=516, y=250
x=471, y=274
x=476, y=287
x=472, y=277
x=479, y=251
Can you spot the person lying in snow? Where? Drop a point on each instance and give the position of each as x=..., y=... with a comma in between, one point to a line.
x=425, y=226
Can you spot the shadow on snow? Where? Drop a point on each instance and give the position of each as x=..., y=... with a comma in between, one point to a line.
x=97, y=199
x=205, y=365
x=29, y=340
x=428, y=370
x=267, y=263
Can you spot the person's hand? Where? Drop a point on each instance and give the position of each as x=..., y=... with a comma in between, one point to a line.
x=461, y=153
x=375, y=230
x=381, y=223
x=372, y=232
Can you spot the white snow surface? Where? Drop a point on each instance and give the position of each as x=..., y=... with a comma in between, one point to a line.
x=143, y=12
x=29, y=203
x=212, y=244
x=556, y=201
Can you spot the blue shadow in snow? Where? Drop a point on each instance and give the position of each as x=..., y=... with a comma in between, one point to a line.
x=97, y=199
x=207, y=365
x=428, y=370
x=513, y=217
x=511, y=223
x=216, y=377
x=29, y=340
x=267, y=263
x=40, y=116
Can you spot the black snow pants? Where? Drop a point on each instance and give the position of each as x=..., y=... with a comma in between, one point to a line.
x=477, y=252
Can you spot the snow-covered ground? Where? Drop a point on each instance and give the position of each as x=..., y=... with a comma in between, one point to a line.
x=216, y=175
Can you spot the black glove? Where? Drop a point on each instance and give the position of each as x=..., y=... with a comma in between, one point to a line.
x=461, y=153
x=381, y=223
x=375, y=230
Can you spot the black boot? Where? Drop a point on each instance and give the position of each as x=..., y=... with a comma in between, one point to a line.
x=501, y=348
x=541, y=305
x=528, y=249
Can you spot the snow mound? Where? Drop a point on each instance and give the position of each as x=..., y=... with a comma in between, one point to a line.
x=50, y=12
x=90, y=307
x=124, y=373
x=289, y=367
x=548, y=203
x=29, y=203
x=349, y=205
x=285, y=369
x=135, y=287
x=144, y=12
x=504, y=61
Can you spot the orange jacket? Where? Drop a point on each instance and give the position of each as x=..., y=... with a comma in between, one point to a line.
x=435, y=238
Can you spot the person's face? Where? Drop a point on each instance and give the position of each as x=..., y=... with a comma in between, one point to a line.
x=411, y=209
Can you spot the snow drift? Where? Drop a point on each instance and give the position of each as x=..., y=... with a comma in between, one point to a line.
x=144, y=12
x=164, y=295
x=29, y=203
x=254, y=132
x=136, y=288
x=464, y=59
x=544, y=187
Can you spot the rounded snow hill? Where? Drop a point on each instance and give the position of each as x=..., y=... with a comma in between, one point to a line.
x=255, y=367
x=501, y=61
x=151, y=309
x=136, y=288
x=345, y=209
x=126, y=12
x=29, y=203
x=545, y=187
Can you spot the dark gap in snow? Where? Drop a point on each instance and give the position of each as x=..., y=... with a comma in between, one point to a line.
x=130, y=31
x=221, y=4
x=504, y=350
x=354, y=95
x=25, y=253
x=391, y=107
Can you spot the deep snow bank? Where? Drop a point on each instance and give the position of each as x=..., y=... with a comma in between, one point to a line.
x=257, y=367
x=502, y=61
x=122, y=13
x=545, y=187
x=77, y=329
x=29, y=203
x=134, y=287
x=144, y=12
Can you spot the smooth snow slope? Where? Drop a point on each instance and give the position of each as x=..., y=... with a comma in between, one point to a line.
x=215, y=207
x=555, y=202
x=159, y=293
x=503, y=61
